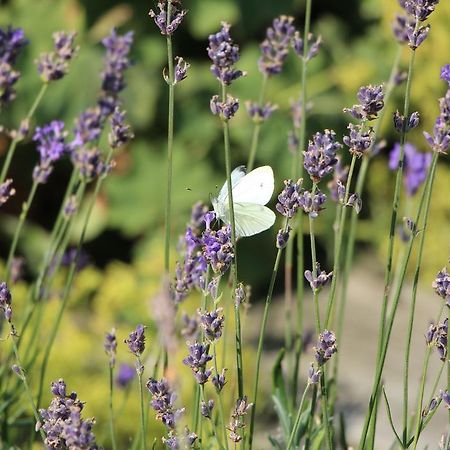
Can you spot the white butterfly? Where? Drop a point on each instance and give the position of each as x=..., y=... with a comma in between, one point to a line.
x=251, y=192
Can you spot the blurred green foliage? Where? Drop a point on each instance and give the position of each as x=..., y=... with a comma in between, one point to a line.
x=358, y=49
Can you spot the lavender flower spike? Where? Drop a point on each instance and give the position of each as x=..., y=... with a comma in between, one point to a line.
x=322, y=278
x=212, y=323
x=275, y=47
x=224, y=54
x=288, y=199
x=312, y=203
x=197, y=359
x=136, y=341
x=441, y=285
x=5, y=301
x=6, y=191
x=371, y=100
x=125, y=375
x=218, y=249
x=110, y=346
x=313, y=45
x=121, y=132
x=167, y=25
x=325, y=348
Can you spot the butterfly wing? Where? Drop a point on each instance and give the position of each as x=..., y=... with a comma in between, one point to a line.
x=251, y=218
x=236, y=176
x=255, y=187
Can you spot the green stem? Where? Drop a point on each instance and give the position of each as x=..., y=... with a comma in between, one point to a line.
x=211, y=420
x=23, y=216
x=219, y=396
x=261, y=338
x=338, y=244
x=111, y=408
x=297, y=418
x=256, y=128
x=14, y=142
x=141, y=397
x=325, y=418
x=238, y=337
x=310, y=419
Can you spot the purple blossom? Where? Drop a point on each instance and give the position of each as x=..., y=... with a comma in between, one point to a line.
x=12, y=41
x=371, y=102
x=325, y=348
x=359, y=140
x=162, y=402
x=121, y=132
x=415, y=168
x=440, y=139
x=313, y=45
x=218, y=380
x=6, y=191
x=441, y=285
x=62, y=422
x=181, y=69
x=5, y=301
x=55, y=65
x=8, y=77
x=241, y=294
x=445, y=395
x=405, y=31
x=212, y=323
x=88, y=128
x=320, y=157
x=71, y=206
x=354, y=201
x=275, y=47
x=237, y=418
x=224, y=54
x=437, y=336
x=190, y=326
x=206, y=408
x=401, y=124
x=260, y=113
x=318, y=280
x=167, y=25
x=115, y=63
x=197, y=359
x=283, y=237
x=226, y=110
x=125, y=375
x=136, y=341
x=311, y=203
x=445, y=73
x=420, y=9
x=110, y=346
x=90, y=163
x=218, y=248
x=288, y=199
x=337, y=184
x=313, y=375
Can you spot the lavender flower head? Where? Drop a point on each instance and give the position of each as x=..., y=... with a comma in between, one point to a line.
x=62, y=422
x=55, y=65
x=88, y=128
x=359, y=140
x=415, y=169
x=260, y=113
x=337, y=184
x=8, y=78
x=212, y=323
x=125, y=375
x=90, y=163
x=371, y=100
x=237, y=418
x=283, y=237
x=406, y=32
x=313, y=45
x=136, y=341
x=312, y=202
x=218, y=248
x=325, y=348
x=437, y=336
x=51, y=144
x=225, y=110
x=197, y=359
x=110, y=346
x=6, y=191
x=320, y=157
x=288, y=199
x=318, y=280
x=219, y=380
x=167, y=25
x=121, y=132
x=445, y=73
x=5, y=301
x=275, y=47
x=162, y=402
x=224, y=54
x=441, y=285
x=420, y=9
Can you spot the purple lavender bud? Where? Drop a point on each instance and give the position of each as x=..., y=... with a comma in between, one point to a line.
x=71, y=206
x=288, y=199
x=121, y=132
x=189, y=437
x=337, y=184
x=167, y=25
x=226, y=110
x=64, y=43
x=283, y=237
x=441, y=285
x=275, y=48
x=90, y=163
x=400, y=77
x=240, y=295
x=416, y=38
x=415, y=166
x=312, y=204
x=198, y=212
x=224, y=54
x=213, y=287
x=5, y=301
x=208, y=218
x=405, y=31
x=125, y=375
x=12, y=41
x=320, y=157
x=258, y=113
x=354, y=201
x=445, y=396
x=218, y=380
x=320, y=280
x=110, y=346
x=218, y=249
x=88, y=128
x=413, y=120
x=136, y=341
x=207, y=408
x=313, y=375
x=17, y=370
x=420, y=9
x=181, y=68
x=434, y=403
x=212, y=323
x=313, y=45
x=116, y=62
x=6, y=191
x=190, y=326
x=8, y=77
x=371, y=100
x=197, y=359
x=430, y=333
x=359, y=141
x=325, y=348
x=440, y=139
x=293, y=142
x=399, y=121
x=437, y=336
x=22, y=132
x=445, y=73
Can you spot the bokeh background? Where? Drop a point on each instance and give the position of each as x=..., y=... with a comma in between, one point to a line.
x=125, y=237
